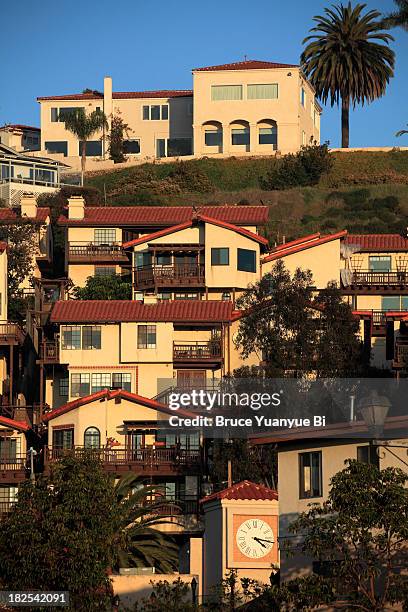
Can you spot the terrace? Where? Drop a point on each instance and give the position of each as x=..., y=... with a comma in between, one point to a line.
x=171, y=275
x=79, y=252
x=197, y=352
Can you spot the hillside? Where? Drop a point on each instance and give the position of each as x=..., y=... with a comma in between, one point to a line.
x=364, y=191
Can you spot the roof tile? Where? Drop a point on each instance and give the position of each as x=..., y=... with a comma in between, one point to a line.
x=378, y=242
x=246, y=65
x=8, y=214
x=123, y=95
x=244, y=490
x=20, y=425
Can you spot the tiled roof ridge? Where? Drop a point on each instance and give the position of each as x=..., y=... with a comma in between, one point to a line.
x=243, y=490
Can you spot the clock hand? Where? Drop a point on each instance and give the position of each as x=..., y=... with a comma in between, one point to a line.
x=260, y=540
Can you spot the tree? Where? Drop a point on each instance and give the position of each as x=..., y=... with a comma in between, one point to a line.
x=22, y=244
x=112, y=287
x=84, y=126
x=255, y=463
x=293, y=332
x=140, y=543
x=359, y=538
x=401, y=132
x=118, y=130
x=399, y=17
x=168, y=597
x=345, y=60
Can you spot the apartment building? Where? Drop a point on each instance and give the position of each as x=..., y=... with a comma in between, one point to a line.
x=20, y=137
x=13, y=460
x=242, y=108
x=21, y=174
x=119, y=240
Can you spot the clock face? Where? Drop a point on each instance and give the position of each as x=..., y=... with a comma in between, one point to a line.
x=254, y=538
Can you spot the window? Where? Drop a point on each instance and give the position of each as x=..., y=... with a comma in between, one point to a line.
x=246, y=260
x=187, y=296
x=6, y=171
x=163, y=295
x=163, y=259
x=379, y=263
x=64, y=387
x=226, y=92
x=262, y=91
x=213, y=138
x=156, y=112
x=121, y=381
x=56, y=146
x=143, y=259
x=105, y=271
x=92, y=437
x=92, y=148
x=71, y=337
x=59, y=114
x=8, y=448
x=268, y=135
x=310, y=474
x=240, y=136
x=63, y=438
x=104, y=236
x=131, y=146
x=220, y=256
x=80, y=385
x=302, y=97
x=91, y=337
x=368, y=454
x=100, y=381
x=54, y=115
x=177, y=147
x=226, y=296
x=146, y=336
x=391, y=303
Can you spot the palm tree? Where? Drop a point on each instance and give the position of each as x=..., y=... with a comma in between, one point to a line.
x=138, y=541
x=345, y=61
x=398, y=18
x=84, y=126
x=401, y=132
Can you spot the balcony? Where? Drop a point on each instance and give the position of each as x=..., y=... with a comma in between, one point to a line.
x=198, y=352
x=144, y=461
x=179, y=275
x=12, y=468
x=49, y=352
x=178, y=507
x=400, y=361
x=80, y=252
x=11, y=333
x=367, y=280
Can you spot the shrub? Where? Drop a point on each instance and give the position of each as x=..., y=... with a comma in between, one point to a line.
x=302, y=169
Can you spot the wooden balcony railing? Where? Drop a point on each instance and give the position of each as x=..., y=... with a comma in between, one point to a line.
x=89, y=251
x=401, y=354
x=368, y=278
x=197, y=351
x=11, y=333
x=146, y=459
x=12, y=462
x=169, y=275
x=179, y=506
x=49, y=351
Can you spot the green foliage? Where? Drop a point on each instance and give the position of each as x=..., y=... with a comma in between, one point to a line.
x=292, y=332
x=119, y=129
x=399, y=17
x=191, y=178
x=167, y=597
x=248, y=462
x=359, y=536
x=22, y=242
x=113, y=287
x=61, y=537
x=301, y=169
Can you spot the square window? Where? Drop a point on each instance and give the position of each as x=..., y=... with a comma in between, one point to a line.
x=246, y=260
x=310, y=474
x=104, y=236
x=163, y=259
x=240, y=136
x=220, y=256
x=155, y=112
x=63, y=438
x=100, y=382
x=80, y=385
x=93, y=148
x=131, y=146
x=368, y=454
x=379, y=263
x=71, y=337
x=213, y=138
x=146, y=336
x=391, y=302
x=268, y=135
x=91, y=337
x=105, y=271
x=121, y=381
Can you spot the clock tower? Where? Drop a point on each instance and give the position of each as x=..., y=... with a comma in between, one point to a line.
x=241, y=532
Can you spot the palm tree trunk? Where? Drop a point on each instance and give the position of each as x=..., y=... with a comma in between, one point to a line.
x=345, y=112
x=83, y=161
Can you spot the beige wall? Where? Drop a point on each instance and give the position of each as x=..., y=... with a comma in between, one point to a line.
x=286, y=110
x=3, y=287
x=132, y=589
x=21, y=443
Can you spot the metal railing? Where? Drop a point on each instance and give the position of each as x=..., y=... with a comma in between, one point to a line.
x=94, y=251
x=368, y=278
x=179, y=274
x=178, y=506
x=49, y=351
x=143, y=457
x=197, y=351
x=25, y=180
x=11, y=332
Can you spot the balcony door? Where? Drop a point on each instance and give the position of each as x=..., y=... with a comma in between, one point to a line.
x=189, y=379
x=186, y=264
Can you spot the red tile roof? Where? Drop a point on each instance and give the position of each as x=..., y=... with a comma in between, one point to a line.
x=244, y=490
x=301, y=245
x=20, y=425
x=246, y=65
x=20, y=126
x=162, y=216
x=176, y=228
x=109, y=394
x=8, y=214
x=378, y=242
x=123, y=95
x=116, y=311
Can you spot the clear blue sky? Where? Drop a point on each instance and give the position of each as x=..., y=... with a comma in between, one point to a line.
x=64, y=47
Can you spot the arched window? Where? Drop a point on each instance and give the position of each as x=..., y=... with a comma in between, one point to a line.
x=92, y=437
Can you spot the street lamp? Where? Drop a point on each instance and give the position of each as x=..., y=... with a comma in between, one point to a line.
x=374, y=409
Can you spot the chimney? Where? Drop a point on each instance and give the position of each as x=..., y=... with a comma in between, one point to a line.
x=28, y=205
x=76, y=207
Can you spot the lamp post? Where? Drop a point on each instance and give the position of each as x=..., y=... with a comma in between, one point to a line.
x=374, y=409
x=32, y=453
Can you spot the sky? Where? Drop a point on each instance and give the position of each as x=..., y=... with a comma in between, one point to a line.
x=65, y=47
